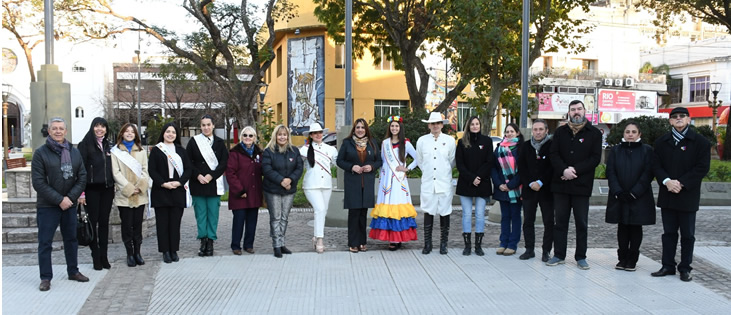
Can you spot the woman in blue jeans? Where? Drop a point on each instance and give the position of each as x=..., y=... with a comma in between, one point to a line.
x=474, y=161
x=507, y=189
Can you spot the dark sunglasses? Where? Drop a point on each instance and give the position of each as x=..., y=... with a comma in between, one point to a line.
x=248, y=136
x=678, y=116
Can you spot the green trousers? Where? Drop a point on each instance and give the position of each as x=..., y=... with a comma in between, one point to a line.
x=206, y=215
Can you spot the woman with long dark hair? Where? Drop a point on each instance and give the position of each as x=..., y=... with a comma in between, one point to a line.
x=318, y=178
x=170, y=170
x=243, y=174
x=131, y=179
x=359, y=158
x=506, y=180
x=282, y=169
x=630, y=203
x=474, y=159
x=394, y=216
x=99, y=192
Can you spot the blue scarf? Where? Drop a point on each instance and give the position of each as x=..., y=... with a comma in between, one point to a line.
x=249, y=151
x=128, y=144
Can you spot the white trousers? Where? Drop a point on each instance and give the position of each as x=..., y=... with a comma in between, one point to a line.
x=436, y=203
x=319, y=199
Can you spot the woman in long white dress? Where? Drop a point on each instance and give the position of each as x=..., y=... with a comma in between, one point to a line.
x=394, y=216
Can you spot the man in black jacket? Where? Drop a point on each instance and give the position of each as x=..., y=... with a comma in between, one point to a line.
x=682, y=159
x=534, y=167
x=575, y=152
x=59, y=177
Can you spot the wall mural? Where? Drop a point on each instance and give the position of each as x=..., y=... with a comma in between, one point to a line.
x=305, y=82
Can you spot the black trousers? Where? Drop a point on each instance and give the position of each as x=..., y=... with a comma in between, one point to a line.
x=564, y=204
x=629, y=237
x=545, y=200
x=168, y=228
x=98, y=207
x=672, y=220
x=131, y=223
x=357, y=227
x=244, y=224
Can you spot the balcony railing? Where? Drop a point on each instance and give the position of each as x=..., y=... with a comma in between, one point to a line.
x=581, y=74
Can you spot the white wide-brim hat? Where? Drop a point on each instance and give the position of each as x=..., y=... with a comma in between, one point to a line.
x=315, y=127
x=435, y=117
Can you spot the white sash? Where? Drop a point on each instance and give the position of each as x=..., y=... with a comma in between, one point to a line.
x=128, y=160
x=177, y=163
x=210, y=157
x=392, y=160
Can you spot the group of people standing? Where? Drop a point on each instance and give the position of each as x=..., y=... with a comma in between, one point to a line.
x=555, y=173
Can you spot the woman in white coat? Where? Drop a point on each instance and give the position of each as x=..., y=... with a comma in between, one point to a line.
x=319, y=157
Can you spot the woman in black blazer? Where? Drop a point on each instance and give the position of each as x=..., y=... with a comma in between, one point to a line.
x=360, y=160
x=170, y=170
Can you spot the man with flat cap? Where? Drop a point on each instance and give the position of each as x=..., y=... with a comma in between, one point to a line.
x=683, y=158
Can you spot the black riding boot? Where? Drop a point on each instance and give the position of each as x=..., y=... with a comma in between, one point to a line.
x=209, y=247
x=130, y=253
x=478, y=244
x=467, y=244
x=204, y=246
x=444, y=225
x=428, y=224
x=95, y=258
x=138, y=256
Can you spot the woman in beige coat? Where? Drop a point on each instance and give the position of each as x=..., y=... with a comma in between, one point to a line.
x=129, y=168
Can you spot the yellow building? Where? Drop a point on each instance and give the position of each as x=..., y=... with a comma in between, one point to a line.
x=309, y=70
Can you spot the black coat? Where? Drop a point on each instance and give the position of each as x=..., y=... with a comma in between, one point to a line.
x=200, y=167
x=477, y=160
x=360, y=189
x=98, y=163
x=629, y=169
x=583, y=151
x=687, y=162
x=277, y=166
x=158, y=170
x=48, y=180
x=534, y=166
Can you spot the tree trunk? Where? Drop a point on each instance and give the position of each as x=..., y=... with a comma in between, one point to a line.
x=29, y=60
x=417, y=95
x=496, y=90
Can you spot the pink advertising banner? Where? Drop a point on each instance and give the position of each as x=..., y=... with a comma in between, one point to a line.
x=630, y=101
x=551, y=105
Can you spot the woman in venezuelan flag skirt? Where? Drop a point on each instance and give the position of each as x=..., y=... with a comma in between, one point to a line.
x=394, y=217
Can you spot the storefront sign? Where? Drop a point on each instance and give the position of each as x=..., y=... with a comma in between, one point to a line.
x=556, y=106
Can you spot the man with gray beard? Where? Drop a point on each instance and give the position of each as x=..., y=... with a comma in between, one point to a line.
x=575, y=152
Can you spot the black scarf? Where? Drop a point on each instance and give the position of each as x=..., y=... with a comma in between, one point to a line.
x=64, y=150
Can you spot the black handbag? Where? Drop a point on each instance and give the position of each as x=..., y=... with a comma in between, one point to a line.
x=84, y=231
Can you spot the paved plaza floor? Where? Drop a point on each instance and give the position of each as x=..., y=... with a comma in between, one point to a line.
x=379, y=281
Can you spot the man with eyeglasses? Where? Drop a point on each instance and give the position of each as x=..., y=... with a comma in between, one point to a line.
x=683, y=158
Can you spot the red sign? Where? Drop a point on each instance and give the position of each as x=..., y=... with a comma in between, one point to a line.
x=623, y=100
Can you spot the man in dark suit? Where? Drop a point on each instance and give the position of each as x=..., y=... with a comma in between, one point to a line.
x=534, y=167
x=683, y=158
x=575, y=152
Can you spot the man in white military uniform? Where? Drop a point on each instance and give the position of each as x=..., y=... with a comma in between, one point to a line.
x=436, y=159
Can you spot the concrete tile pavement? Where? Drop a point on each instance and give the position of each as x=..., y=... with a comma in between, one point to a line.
x=137, y=290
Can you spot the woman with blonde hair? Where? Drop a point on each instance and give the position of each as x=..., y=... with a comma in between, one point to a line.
x=129, y=168
x=243, y=174
x=282, y=169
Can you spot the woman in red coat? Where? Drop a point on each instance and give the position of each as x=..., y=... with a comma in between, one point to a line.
x=244, y=180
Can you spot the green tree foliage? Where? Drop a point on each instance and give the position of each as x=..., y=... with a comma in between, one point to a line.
x=414, y=127
x=710, y=11
x=233, y=48
x=265, y=129
x=652, y=128
x=24, y=19
x=154, y=128
x=398, y=27
x=483, y=38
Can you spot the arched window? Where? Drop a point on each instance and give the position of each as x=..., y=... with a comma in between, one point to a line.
x=79, y=112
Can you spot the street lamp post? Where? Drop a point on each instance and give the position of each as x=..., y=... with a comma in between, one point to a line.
x=6, y=94
x=716, y=103
x=139, y=79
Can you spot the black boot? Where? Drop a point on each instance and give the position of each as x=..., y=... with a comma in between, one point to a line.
x=138, y=256
x=209, y=247
x=278, y=252
x=204, y=246
x=174, y=256
x=622, y=256
x=444, y=225
x=632, y=257
x=428, y=224
x=166, y=257
x=478, y=244
x=130, y=253
x=467, y=245
x=529, y=253
x=103, y=257
x=96, y=259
